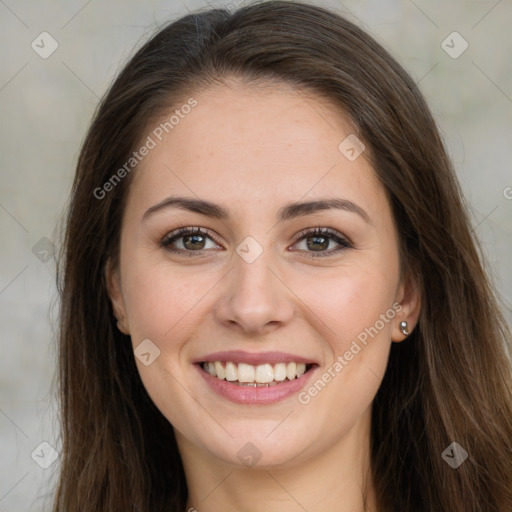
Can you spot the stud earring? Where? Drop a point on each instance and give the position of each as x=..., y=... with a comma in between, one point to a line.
x=404, y=327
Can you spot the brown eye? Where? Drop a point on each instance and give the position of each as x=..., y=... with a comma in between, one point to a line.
x=193, y=241
x=318, y=241
x=188, y=240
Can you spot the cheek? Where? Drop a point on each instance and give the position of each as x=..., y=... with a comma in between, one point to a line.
x=348, y=302
x=356, y=312
x=163, y=305
x=159, y=297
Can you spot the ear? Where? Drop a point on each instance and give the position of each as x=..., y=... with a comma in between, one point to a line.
x=113, y=280
x=409, y=297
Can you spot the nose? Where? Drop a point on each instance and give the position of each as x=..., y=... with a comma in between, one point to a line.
x=255, y=299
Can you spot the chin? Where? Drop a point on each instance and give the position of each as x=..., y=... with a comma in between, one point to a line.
x=260, y=445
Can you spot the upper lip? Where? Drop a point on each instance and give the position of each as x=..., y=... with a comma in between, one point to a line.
x=255, y=358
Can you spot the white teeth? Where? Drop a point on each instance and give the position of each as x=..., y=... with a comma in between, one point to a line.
x=219, y=370
x=291, y=370
x=264, y=373
x=231, y=371
x=211, y=368
x=279, y=372
x=247, y=374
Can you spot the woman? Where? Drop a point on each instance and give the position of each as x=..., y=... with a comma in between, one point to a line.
x=271, y=295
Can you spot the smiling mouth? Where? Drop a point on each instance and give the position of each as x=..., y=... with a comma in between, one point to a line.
x=263, y=375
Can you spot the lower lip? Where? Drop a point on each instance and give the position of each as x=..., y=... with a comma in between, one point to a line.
x=255, y=395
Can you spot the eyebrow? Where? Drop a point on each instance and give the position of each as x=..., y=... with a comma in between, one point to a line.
x=287, y=212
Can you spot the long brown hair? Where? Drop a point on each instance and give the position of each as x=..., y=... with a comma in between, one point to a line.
x=449, y=382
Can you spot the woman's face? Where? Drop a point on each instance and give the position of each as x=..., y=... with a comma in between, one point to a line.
x=253, y=290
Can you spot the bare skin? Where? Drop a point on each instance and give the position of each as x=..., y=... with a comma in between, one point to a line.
x=253, y=151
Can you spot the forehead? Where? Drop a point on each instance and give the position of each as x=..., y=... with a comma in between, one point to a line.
x=252, y=147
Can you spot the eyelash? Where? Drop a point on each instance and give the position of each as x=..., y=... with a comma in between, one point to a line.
x=317, y=232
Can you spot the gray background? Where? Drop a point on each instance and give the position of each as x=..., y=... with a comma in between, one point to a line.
x=47, y=105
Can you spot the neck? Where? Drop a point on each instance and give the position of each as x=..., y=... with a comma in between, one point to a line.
x=336, y=479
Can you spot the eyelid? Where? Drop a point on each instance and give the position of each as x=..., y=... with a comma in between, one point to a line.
x=342, y=240
x=188, y=230
x=322, y=231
